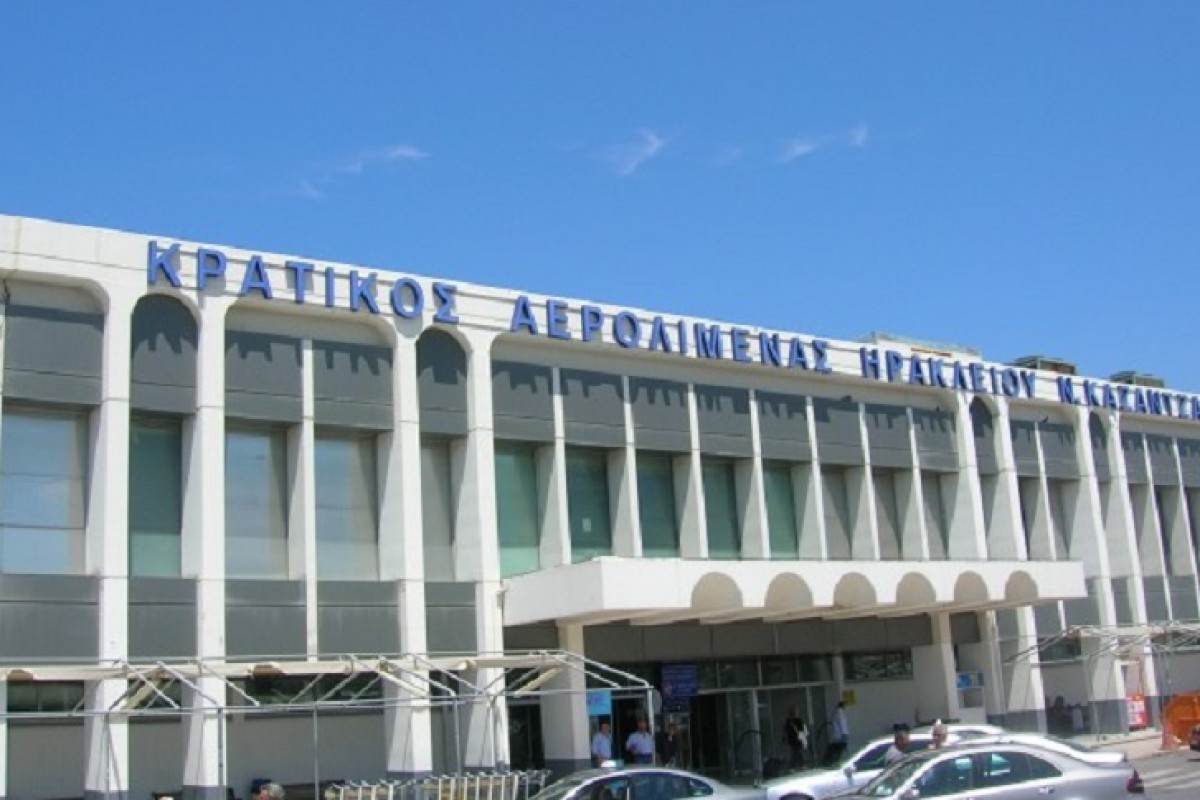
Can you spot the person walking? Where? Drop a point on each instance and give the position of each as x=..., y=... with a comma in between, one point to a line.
x=668, y=745
x=795, y=734
x=839, y=739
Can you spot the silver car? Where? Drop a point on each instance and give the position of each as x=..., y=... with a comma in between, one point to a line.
x=642, y=783
x=1001, y=771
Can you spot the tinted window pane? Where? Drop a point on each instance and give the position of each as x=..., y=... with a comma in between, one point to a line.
x=155, y=497
x=656, y=505
x=587, y=503
x=43, y=485
x=256, y=504
x=781, y=511
x=721, y=513
x=517, y=508
x=347, y=512
x=437, y=510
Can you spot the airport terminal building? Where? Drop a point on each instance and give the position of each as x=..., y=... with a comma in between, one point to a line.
x=235, y=484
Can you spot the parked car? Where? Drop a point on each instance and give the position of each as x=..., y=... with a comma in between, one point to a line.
x=862, y=765
x=966, y=729
x=642, y=783
x=1068, y=747
x=1194, y=737
x=1001, y=771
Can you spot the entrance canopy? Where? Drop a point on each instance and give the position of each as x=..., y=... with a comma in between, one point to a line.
x=661, y=591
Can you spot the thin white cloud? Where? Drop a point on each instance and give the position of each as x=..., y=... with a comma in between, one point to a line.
x=859, y=135
x=730, y=155
x=313, y=187
x=799, y=148
x=626, y=159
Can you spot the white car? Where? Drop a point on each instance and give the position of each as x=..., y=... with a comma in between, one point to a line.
x=1063, y=746
x=860, y=767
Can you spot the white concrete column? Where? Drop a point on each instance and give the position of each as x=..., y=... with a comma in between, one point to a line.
x=935, y=675
x=3, y=699
x=565, y=723
x=1105, y=679
x=477, y=552
x=623, y=486
x=555, y=547
x=752, y=494
x=689, y=485
x=910, y=504
x=302, y=499
x=814, y=542
x=1006, y=538
x=107, y=737
x=968, y=531
x=1042, y=538
x=984, y=656
x=204, y=554
x=860, y=499
x=408, y=719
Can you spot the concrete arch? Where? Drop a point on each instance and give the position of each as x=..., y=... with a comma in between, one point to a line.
x=184, y=299
x=444, y=353
x=789, y=592
x=971, y=588
x=915, y=589
x=716, y=591
x=1021, y=587
x=855, y=590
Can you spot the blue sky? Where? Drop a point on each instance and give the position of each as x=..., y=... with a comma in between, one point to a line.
x=1018, y=177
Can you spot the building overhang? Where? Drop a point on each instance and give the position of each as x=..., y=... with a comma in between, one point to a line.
x=645, y=591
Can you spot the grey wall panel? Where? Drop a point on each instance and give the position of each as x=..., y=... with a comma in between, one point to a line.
x=262, y=376
x=1156, y=599
x=593, y=408
x=1162, y=460
x=442, y=378
x=888, y=436
x=839, y=434
x=352, y=385
x=679, y=642
x=660, y=414
x=449, y=594
x=1189, y=461
x=49, y=617
x=984, y=431
x=935, y=433
x=1122, y=602
x=1081, y=611
x=1024, y=447
x=162, y=618
x=964, y=628
x=532, y=637
x=450, y=629
x=365, y=630
x=783, y=426
x=163, y=366
x=52, y=354
x=742, y=639
x=914, y=631
x=1135, y=457
x=1183, y=598
x=1058, y=450
x=1047, y=619
x=809, y=636
x=265, y=618
x=615, y=643
x=861, y=635
x=1099, y=450
x=522, y=401
x=723, y=417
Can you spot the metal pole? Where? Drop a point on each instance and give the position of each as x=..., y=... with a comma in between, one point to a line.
x=316, y=742
x=458, y=753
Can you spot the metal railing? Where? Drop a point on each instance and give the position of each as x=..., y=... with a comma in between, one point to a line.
x=475, y=786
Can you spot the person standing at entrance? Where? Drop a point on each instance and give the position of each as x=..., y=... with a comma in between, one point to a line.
x=640, y=745
x=668, y=746
x=602, y=744
x=795, y=733
x=839, y=739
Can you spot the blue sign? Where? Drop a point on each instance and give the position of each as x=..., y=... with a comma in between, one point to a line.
x=599, y=702
x=679, y=683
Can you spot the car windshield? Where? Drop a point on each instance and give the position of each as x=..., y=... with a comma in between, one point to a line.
x=888, y=782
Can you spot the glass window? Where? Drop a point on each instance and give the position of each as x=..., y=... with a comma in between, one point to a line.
x=656, y=505
x=33, y=697
x=721, y=510
x=43, y=491
x=946, y=778
x=878, y=666
x=437, y=510
x=587, y=503
x=517, y=520
x=347, y=509
x=781, y=511
x=777, y=671
x=155, y=496
x=256, y=503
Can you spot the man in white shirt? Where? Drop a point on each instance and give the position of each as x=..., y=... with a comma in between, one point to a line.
x=602, y=744
x=640, y=745
x=839, y=738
